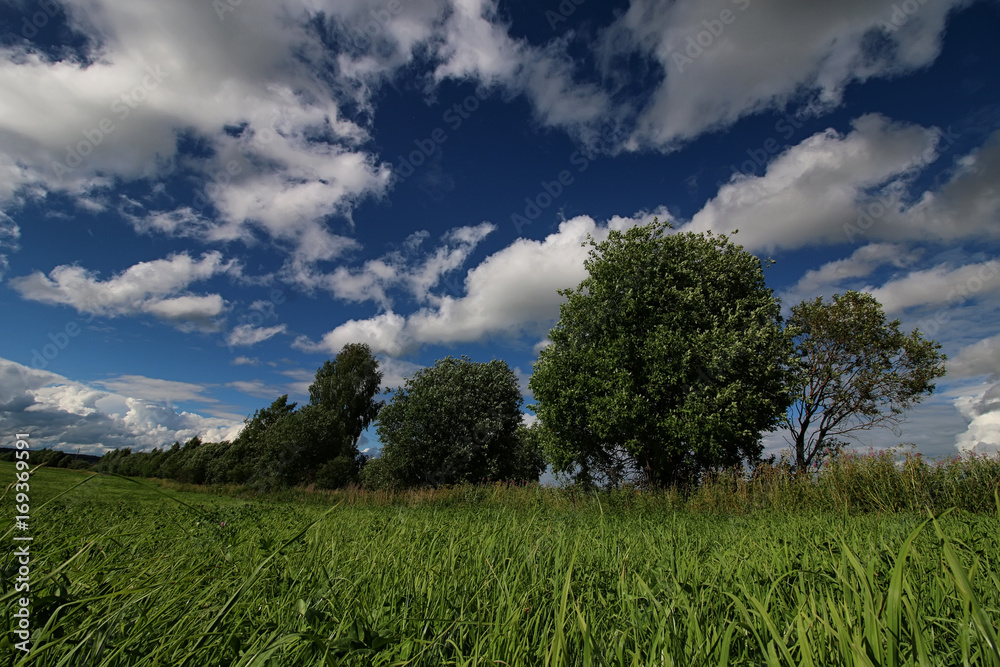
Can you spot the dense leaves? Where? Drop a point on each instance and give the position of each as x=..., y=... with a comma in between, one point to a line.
x=279, y=445
x=456, y=421
x=856, y=371
x=668, y=359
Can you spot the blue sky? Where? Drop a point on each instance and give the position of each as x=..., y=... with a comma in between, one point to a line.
x=202, y=201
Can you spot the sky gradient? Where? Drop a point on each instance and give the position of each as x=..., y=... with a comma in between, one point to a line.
x=201, y=201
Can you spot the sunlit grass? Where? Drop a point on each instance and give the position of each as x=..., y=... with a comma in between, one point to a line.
x=123, y=575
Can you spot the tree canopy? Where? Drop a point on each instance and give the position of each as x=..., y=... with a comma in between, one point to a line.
x=456, y=421
x=668, y=359
x=347, y=387
x=855, y=371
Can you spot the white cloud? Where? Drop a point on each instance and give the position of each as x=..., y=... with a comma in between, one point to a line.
x=301, y=380
x=831, y=277
x=71, y=416
x=194, y=311
x=246, y=361
x=722, y=60
x=512, y=291
x=248, y=334
x=939, y=285
x=474, y=45
x=374, y=280
x=983, y=433
x=10, y=232
x=812, y=191
x=383, y=333
x=257, y=388
x=154, y=389
x=165, y=69
x=396, y=371
x=980, y=358
x=966, y=205
x=146, y=287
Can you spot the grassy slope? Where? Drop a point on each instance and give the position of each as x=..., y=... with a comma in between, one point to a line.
x=123, y=575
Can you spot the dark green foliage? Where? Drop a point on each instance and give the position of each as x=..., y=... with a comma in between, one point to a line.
x=377, y=476
x=456, y=421
x=248, y=453
x=529, y=457
x=346, y=387
x=855, y=371
x=51, y=458
x=280, y=446
x=668, y=359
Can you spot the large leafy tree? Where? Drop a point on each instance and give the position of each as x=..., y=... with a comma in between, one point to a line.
x=668, y=359
x=346, y=387
x=856, y=371
x=249, y=452
x=282, y=446
x=456, y=421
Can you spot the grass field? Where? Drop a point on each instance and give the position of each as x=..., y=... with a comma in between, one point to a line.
x=124, y=574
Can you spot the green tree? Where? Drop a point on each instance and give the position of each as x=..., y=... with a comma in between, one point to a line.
x=281, y=446
x=347, y=387
x=456, y=421
x=249, y=450
x=855, y=371
x=667, y=360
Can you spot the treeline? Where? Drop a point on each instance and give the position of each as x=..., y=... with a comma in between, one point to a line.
x=669, y=362
x=279, y=445
x=456, y=422
x=52, y=458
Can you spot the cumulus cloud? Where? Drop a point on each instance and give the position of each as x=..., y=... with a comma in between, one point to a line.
x=983, y=433
x=282, y=155
x=382, y=333
x=967, y=205
x=407, y=269
x=71, y=416
x=511, y=292
x=939, y=285
x=721, y=60
x=146, y=287
x=980, y=358
x=812, y=191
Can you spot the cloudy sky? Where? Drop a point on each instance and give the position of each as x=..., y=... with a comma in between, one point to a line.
x=202, y=200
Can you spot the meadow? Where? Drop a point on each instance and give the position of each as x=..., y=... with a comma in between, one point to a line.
x=874, y=567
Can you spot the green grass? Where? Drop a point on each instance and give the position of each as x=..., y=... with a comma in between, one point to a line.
x=124, y=575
